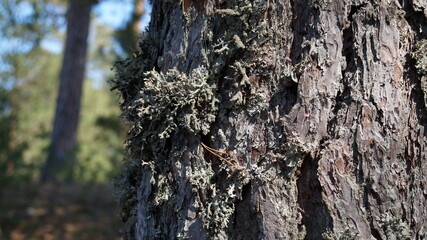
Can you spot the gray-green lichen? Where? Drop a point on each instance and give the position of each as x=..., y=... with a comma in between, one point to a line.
x=420, y=5
x=325, y=5
x=156, y=105
x=346, y=235
x=173, y=100
x=238, y=42
x=420, y=56
x=217, y=213
x=395, y=228
x=296, y=150
x=220, y=207
x=200, y=175
x=242, y=71
x=165, y=192
x=160, y=105
x=229, y=12
x=294, y=71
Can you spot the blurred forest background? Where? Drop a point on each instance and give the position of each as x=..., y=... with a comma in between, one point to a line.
x=80, y=204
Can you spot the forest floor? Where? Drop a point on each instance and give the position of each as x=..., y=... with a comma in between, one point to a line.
x=59, y=212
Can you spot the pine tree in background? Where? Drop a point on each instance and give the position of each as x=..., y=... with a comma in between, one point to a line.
x=128, y=37
x=28, y=90
x=67, y=114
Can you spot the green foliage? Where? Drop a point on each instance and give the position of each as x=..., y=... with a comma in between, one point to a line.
x=26, y=119
x=100, y=137
x=25, y=127
x=28, y=92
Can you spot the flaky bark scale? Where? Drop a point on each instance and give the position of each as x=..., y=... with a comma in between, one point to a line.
x=322, y=100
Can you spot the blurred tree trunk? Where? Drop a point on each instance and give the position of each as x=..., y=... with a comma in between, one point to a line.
x=64, y=135
x=323, y=100
x=128, y=37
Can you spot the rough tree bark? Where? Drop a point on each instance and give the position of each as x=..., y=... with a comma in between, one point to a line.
x=324, y=100
x=64, y=134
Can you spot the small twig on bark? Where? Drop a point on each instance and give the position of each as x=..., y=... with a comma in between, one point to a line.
x=217, y=153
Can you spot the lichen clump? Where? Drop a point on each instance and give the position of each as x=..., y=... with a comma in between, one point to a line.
x=395, y=228
x=420, y=56
x=172, y=100
x=157, y=106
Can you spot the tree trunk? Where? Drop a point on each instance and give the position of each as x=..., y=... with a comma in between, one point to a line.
x=128, y=37
x=324, y=101
x=64, y=135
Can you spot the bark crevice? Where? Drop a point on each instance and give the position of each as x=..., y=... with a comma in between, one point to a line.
x=313, y=96
x=311, y=202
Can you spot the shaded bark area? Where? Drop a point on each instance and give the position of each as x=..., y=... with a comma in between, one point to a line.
x=67, y=113
x=321, y=100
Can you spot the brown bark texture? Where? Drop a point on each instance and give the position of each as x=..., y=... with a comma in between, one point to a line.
x=323, y=100
x=67, y=113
